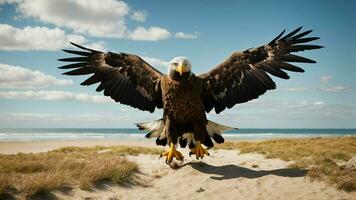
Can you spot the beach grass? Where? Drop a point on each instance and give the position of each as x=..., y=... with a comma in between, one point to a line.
x=28, y=175
x=121, y=150
x=325, y=158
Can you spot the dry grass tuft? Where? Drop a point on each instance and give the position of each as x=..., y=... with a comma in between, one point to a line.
x=324, y=157
x=117, y=150
x=30, y=174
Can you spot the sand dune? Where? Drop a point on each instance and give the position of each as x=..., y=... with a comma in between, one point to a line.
x=223, y=175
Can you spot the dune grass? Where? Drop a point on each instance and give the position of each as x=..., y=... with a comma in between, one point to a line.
x=27, y=175
x=323, y=157
x=117, y=150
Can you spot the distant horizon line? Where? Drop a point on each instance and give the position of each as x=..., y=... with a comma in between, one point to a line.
x=137, y=128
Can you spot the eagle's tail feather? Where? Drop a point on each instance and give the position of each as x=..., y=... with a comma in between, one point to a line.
x=155, y=128
x=214, y=129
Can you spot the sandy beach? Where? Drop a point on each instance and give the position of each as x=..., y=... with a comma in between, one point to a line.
x=12, y=147
x=224, y=175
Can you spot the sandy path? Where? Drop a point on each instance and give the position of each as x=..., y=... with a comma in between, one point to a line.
x=224, y=175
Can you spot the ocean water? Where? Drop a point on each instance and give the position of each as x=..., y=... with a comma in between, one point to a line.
x=137, y=135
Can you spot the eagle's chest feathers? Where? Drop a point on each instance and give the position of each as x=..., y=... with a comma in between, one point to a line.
x=182, y=100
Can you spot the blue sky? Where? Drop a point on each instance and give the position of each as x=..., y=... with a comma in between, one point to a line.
x=33, y=93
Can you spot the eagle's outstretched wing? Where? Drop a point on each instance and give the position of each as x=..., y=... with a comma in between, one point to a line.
x=126, y=78
x=243, y=76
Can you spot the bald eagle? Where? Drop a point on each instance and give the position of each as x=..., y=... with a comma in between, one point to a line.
x=184, y=96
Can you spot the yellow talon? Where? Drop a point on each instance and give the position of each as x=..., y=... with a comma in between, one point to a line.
x=172, y=153
x=199, y=151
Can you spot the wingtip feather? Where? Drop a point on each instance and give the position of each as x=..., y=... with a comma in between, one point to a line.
x=81, y=47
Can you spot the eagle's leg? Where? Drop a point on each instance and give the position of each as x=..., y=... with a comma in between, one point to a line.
x=172, y=153
x=199, y=151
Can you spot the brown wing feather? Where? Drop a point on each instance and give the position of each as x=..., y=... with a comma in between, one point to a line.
x=126, y=78
x=243, y=76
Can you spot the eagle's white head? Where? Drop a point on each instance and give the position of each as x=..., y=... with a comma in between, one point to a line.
x=179, y=64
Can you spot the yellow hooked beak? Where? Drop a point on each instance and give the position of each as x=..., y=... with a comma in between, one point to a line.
x=182, y=67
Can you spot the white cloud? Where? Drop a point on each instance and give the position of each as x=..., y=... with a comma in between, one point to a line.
x=297, y=106
x=156, y=62
x=332, y=89
x=53, y=117
x=139, y=16
x=9, y=1
x=182, y=35
x=75, y=120
x=319, y=103
x=97, y=18
x=100, y=18
x=150, y=34
x=52, y=95
x=293, y=89
x=325, y=78
x=100, y=46
x=289, y=113
x=34, y=38
x=335, y=89
x=20, y=77
x=37, y=38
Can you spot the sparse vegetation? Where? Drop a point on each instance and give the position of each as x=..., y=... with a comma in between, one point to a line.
x=117, y=150
x=31, y=174
x=324, y=157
